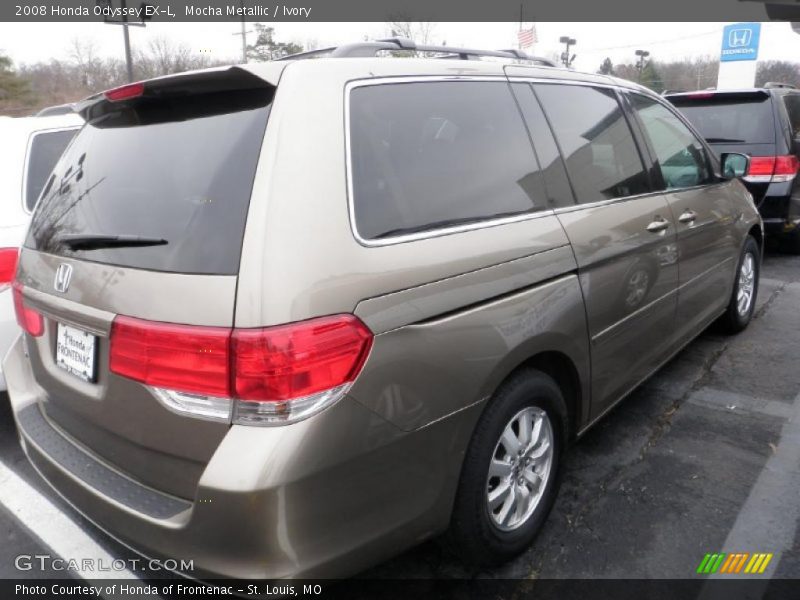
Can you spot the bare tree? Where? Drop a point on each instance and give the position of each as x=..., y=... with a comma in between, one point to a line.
x=420, y=32
x=83, y=73
x=779, y=71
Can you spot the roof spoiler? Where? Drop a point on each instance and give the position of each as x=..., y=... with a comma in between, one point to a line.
x=191, y=82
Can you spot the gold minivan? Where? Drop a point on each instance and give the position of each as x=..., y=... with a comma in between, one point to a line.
x=288, y=319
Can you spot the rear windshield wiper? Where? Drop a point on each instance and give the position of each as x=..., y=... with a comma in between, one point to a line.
x=97, y=241
x=713, y=140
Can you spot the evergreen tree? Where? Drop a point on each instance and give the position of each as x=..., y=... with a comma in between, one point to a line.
x=607, y=68
x=267, y=48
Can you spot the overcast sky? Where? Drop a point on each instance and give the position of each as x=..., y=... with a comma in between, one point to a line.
x=32, y=42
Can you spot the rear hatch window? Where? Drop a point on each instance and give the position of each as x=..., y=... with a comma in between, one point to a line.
x=730, y=117
x=161, y=181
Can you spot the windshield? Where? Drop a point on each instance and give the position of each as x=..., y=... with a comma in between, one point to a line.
x=177, y=169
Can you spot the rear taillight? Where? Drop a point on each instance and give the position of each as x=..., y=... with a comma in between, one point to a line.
x=269, y=376
x=30, y=320
x=177, y=357
x=785, y=168
x=768, y=169
x=8, y=266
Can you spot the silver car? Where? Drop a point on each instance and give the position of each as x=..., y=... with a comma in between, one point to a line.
x=289, y=319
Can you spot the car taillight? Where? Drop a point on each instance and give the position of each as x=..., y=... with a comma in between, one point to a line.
x=177, y=357
x=768, y=169
x=785, y=168
x=270, y=376
x=125, y=92
x=31, y=321
x=8, y=266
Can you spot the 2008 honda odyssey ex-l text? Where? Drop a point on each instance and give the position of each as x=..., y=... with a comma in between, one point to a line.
x=288, y=319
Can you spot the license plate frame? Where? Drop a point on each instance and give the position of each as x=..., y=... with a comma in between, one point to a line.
x=76, y=352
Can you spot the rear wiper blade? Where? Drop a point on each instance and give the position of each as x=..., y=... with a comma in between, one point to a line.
x=96, y=241
x=713, y=140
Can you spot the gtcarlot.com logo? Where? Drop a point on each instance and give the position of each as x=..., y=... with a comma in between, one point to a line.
x=46, y=562
x=735, y=563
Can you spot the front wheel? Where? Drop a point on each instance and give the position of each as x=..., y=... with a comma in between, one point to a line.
x=510, y=475
x=745, y=289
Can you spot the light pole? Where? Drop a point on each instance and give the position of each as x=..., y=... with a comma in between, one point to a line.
x=565, y=57
x=125, y=24
x=243, y=33
x=642, y=54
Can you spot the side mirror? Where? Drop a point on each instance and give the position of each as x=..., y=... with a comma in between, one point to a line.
x=735, y=165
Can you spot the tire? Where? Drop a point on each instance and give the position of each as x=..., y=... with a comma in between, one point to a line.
x=735, y=319
x=476, y=534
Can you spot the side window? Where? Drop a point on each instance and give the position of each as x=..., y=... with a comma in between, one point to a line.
x=681, y=158
x=602, y=159
x=45, y=150
x=792, y=104
x=432, y=154
x=559, y=193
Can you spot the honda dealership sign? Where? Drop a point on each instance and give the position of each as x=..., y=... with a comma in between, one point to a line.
x=740, y=42
x=738, y=56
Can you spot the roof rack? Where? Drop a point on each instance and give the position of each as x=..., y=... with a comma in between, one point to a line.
x=395, y=44
x=778, y=84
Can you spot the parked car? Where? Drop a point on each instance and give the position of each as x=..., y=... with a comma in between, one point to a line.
x=763, y=123
x=29, y=150
x=287, y=319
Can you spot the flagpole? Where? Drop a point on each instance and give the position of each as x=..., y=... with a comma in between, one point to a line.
x=519, y=41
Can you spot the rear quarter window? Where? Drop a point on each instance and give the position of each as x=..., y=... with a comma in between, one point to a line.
x=46, y=147
x=792, y=104
x=434, y=154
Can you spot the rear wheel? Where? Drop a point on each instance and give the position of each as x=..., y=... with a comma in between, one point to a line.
x=510, y=475
x=745, y=290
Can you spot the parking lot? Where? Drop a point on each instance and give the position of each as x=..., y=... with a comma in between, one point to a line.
x=704, y=458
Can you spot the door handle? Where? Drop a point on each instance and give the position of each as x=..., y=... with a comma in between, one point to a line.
x=658, y=225
x=688, y=216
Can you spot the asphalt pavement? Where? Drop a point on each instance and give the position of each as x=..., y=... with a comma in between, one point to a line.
x=703, y=458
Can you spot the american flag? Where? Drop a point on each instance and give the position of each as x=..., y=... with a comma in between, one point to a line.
x=527, y=37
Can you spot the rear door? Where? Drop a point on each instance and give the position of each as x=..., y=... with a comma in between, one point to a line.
x=702, y=209
x=623, y=236
x=142, y=217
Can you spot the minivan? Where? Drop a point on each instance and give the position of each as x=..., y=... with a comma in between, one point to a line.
x=763, y=123
x=288, y=319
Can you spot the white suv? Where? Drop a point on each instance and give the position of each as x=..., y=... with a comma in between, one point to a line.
x=31, y=146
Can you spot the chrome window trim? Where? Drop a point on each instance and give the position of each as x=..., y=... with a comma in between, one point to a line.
x=26, y=163
x=599, y=203
x=434, y=231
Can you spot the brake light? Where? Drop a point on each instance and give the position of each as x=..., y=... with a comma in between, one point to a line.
x=8, y=266
x=268, y=376
x=699, y=95
x=785, y=168
x=125, y=92
x=29, y=320
x=177, y=357
x=280, y=363
x=769, y=169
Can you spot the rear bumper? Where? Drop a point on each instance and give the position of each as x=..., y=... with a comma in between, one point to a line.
x=780, y=211
x=325, y=497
